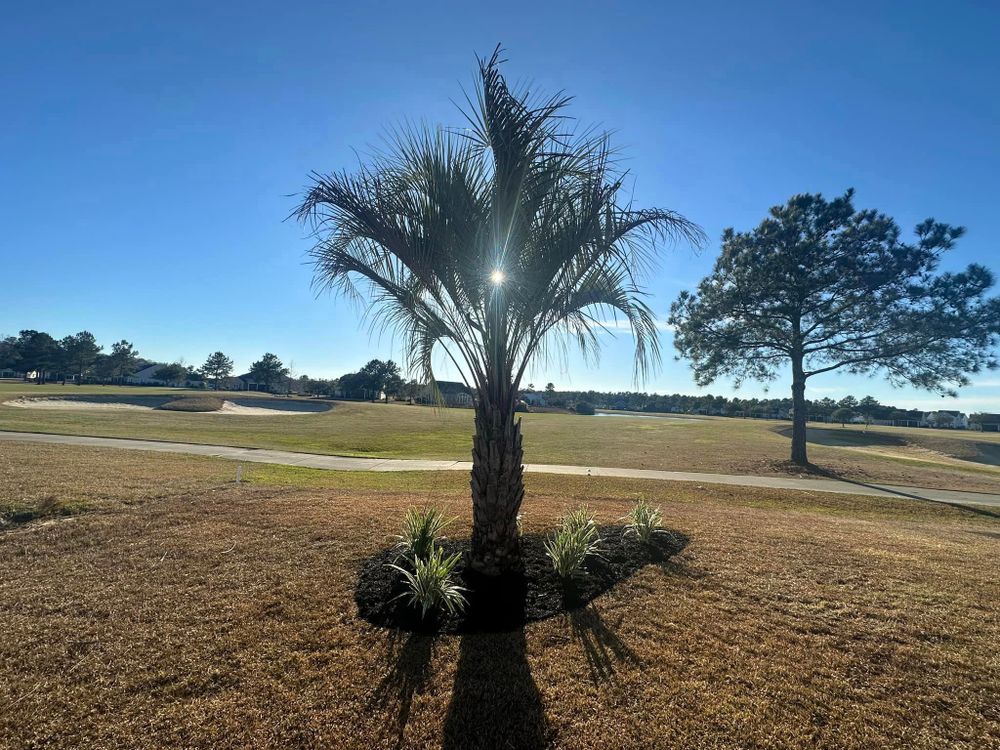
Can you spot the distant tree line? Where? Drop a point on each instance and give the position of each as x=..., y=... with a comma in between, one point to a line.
x=80, y=359
x=869, y=408
x=377, y=379
x=77, y=356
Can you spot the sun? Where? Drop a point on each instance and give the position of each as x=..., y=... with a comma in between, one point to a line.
x=498, y=276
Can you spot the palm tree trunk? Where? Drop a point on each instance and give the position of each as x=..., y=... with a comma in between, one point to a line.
x=497, y=488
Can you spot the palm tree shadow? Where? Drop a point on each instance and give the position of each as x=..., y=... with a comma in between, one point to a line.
x=978, y=511
x=407, y=676
x=602, y=647
x=495, y=702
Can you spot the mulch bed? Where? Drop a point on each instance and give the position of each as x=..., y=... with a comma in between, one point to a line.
x=506, y=603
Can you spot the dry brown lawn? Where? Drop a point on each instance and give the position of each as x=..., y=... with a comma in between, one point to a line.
x=182, y=610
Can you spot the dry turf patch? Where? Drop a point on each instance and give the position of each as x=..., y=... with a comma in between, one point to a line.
x=183, y=610
x=40, y=481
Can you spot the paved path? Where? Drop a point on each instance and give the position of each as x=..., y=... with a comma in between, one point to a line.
x=347, y=463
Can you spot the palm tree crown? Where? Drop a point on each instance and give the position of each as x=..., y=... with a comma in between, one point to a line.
x=488, y=240
x=494, y=242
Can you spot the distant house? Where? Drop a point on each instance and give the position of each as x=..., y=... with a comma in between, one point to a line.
x=947, y=418
x=8, y=373
x=987, y=422
x=533, y=398
x=452, y=394
x=910, y=418
x=246, y=382
x=146, y=375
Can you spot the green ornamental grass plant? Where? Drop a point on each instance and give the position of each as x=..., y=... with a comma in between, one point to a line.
x=579, y=519
x=421, y=532
x=576, y=539
x=644, y=522
x=430, y=583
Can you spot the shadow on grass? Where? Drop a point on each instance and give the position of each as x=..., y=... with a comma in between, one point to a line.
x=602, y=647
x=409, y=672
x=838, y=437
x=975, y=510
x=48, y=507
x=495, y=702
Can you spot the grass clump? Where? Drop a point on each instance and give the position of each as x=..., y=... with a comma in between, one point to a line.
x=25, y=510
x=644, y=522
x=421, y=532
x=579, y=520
x=430, y=583
x=576, y=539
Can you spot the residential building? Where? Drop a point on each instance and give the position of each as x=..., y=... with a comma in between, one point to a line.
x=451, y=394
x=947, y=418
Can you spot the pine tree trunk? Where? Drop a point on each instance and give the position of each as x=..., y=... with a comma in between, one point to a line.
x=497, y=489
x=799, y=455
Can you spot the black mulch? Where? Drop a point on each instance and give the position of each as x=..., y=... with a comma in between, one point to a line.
x=506, y=603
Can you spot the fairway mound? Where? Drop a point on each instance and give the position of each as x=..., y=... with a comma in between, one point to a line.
x=506, y=603
x=194, y=404
x=926, y=445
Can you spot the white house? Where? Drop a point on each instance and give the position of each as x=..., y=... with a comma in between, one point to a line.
x=533, y=398
x=147, y=376
x=951, y=419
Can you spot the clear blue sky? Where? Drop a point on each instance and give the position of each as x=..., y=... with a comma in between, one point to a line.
x=148, y=151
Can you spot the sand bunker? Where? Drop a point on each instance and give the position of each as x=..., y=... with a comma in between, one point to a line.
x=244, y=407
x=263, y=408
x=74, y=405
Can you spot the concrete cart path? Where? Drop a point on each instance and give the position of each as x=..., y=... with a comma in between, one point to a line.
x=348, y=463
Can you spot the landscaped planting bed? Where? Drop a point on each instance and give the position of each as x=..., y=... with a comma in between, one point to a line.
x=507, y=602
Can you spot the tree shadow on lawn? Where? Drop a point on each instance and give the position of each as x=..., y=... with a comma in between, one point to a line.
x=837, y=437
x=410, y=656
x=603, y=647
x=812, y=468
x=495, y=702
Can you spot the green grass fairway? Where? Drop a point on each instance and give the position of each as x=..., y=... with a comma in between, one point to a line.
x=930, y=458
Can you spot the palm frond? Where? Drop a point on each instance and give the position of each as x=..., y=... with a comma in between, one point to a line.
x=419, y=230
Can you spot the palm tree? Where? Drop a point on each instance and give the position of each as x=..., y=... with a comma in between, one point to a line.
x=495, y=244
